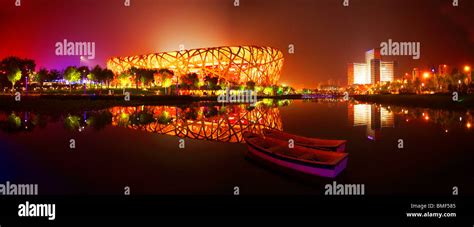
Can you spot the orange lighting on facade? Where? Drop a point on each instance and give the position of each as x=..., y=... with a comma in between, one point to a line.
x=237, y=64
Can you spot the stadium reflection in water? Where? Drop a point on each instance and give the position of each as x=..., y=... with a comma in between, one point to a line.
x=203, y=121
x=216, y=123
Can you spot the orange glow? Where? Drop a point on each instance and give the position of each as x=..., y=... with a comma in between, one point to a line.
x=467, y=68
x=468, y=125
x=238, y=64
x=426, y=117
x=227, y=126
x=426, y=75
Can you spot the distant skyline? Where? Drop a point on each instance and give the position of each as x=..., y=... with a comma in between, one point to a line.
x=327, y=36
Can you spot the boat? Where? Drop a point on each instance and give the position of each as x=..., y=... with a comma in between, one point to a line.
x=300, y=159
x=321, y=144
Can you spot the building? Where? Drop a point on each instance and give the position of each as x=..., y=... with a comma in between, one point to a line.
x=373, y=71
x=387, y=71
x=235, y=64
x=415, y=73
x=357, y=74
x=350, y=74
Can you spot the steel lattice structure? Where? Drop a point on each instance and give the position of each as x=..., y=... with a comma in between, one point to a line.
x=237, y=64
x=224, y=127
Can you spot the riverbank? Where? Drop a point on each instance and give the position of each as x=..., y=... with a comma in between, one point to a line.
x=435, y=101
x=55, y=103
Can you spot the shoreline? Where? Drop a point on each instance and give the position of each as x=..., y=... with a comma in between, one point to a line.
x=67, y=102
x=434, y=101
x=61, y=103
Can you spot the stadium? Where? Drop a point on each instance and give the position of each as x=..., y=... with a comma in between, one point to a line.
x=234, y=64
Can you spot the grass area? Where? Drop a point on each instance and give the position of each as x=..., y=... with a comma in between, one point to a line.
x=438, y=101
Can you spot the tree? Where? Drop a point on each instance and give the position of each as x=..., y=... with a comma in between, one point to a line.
x=41, y=76
x=166, y=78
x=211, y=81
x=14, y=76
x=53, y=75
x=250, y=85
x=72, y=75
x=191, y=80
x=108, y=75
x=166, y=83
x=133, y=71
x=97, y=74
x=84, y=71
x=124, y=78
x=145, y=76
x=11, y=64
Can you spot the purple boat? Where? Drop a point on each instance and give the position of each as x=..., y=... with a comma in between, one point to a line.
x=301, y=159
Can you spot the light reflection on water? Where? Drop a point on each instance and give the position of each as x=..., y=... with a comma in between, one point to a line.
x=33, y=146
x=376, y=117
x=225, y=123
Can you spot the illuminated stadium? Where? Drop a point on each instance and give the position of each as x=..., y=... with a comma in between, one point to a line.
x=235, y=64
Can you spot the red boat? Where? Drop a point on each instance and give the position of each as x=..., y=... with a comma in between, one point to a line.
x=321, y=144
x=301, y=159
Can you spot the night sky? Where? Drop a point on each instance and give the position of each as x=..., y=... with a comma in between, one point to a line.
x=326, y=34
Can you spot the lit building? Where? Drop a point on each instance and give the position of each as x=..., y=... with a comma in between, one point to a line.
x=387, y=71
x=350, y=74
x=415, y=74
x=372, y=59
x=357, y=74
x=236, y=64
x=374, y=70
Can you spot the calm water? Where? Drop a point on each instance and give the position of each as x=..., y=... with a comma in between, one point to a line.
x=138, y=147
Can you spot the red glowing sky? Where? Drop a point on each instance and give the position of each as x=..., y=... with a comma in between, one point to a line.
x=326, y=34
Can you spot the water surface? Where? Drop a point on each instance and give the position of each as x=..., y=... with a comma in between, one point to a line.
x=138, y=147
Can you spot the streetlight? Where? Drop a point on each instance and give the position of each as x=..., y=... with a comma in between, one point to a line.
x=83, y=59
x=467, y=68
x=426, y=75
